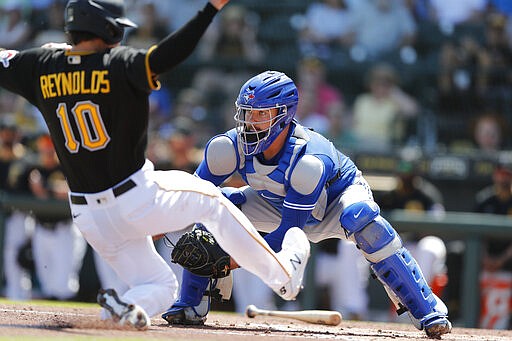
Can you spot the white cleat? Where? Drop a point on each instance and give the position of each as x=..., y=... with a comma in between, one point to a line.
x=123, y=313
x=294, y=256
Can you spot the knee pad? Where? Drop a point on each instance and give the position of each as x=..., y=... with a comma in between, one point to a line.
x=401, y=274
x=356, y=216
x=378, y=240
x=192, y=290
x=370, y=231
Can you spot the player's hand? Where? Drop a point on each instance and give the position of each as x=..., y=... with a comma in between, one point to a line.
x=64, y=46
x=233, y=265
x=218, y=4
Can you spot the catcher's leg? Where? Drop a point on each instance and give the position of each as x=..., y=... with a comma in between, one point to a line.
x=395, y=267
x=192, y=305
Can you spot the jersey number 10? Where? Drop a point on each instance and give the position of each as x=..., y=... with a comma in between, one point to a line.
x=93, y=135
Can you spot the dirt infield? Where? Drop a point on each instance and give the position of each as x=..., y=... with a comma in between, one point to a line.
x=25, y=321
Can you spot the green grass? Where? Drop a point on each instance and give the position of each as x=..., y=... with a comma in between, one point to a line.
x=45, y=303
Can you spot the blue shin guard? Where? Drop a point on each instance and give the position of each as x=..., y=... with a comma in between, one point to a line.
x=190, y=308
x=401, y=275
x=395, y=267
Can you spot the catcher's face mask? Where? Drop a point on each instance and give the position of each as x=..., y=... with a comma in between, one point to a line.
x=257, y=128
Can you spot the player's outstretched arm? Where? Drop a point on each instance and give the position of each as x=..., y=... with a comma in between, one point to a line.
x=177, y=46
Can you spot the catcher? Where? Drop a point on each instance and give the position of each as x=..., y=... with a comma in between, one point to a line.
x=296, y=177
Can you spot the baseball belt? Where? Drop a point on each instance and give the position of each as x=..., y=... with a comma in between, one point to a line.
x=116, y=190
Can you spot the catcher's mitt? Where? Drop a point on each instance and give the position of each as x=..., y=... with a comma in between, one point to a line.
x=198, y=252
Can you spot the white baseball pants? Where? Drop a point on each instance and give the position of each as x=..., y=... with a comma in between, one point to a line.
x=120, y=229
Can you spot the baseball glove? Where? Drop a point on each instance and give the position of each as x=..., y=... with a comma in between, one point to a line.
x=198, y=252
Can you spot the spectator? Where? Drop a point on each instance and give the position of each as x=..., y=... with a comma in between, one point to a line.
x=228, y=51
x=487, y=135
x=11, y=149
x=495, y=65
x=319, y=99
x=382, y=27
x=380, y=115
x=15, y=31
x=488, y=132
x=458, y=97
x=234, y=39
x=192, y=103
x=48, y=23
x=503, y=7
x=497, y=254
x=151, y=30
x=42, y=13
x=412, y=192
x=340, y=132
x=181, y=144
x=328, y=23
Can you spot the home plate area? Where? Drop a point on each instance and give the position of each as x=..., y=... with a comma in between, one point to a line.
x=26, y=320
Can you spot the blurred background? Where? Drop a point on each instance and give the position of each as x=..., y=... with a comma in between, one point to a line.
x=417, y=92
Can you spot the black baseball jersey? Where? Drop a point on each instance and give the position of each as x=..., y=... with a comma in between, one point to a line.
x=95, y=106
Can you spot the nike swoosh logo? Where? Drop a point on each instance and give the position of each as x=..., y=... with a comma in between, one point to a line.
x=358, y=213
x=76, y=215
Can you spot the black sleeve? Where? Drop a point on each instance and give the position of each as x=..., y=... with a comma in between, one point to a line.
x=17, y=70
x=177, y=46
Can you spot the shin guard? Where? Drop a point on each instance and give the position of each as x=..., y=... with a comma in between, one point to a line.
x=401, y=274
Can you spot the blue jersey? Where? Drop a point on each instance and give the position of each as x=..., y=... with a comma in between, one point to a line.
x=306, y=176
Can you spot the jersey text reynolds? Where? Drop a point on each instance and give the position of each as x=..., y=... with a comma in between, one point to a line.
x=74, y=83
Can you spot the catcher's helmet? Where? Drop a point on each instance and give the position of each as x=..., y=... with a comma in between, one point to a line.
x=268, y=90
x=103, y=18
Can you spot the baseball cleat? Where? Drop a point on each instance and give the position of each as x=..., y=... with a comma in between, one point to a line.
x=183, y=316
x=123, y=313
x=294, y=257
x=435, y=328
x=436, y=323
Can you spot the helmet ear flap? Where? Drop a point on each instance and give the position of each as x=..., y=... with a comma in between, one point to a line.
x=116, y=33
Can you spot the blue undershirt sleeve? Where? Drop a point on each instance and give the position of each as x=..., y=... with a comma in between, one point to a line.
x=291, y=218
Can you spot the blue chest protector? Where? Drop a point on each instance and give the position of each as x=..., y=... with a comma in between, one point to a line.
x=272, y=182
